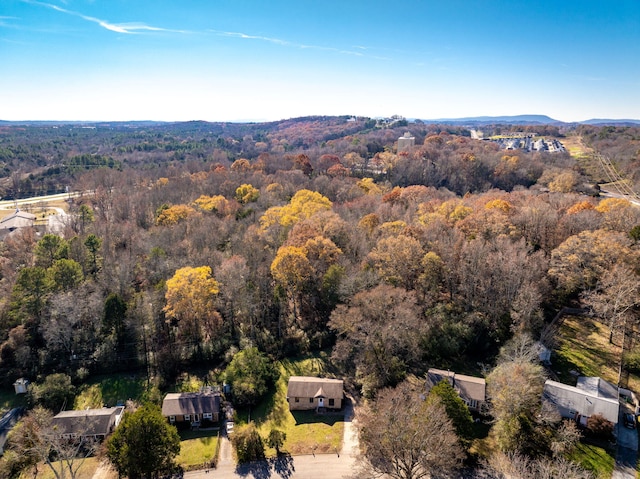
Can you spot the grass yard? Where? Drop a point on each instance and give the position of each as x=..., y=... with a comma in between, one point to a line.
x=86, y=471
x=583, y=346
x=110, y=390
x=306, y=432
x=197, y=448
x=596, y=459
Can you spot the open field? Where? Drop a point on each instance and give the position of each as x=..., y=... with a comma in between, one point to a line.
x=576, y=148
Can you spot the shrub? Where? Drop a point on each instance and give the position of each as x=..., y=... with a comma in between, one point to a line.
x=599, y=427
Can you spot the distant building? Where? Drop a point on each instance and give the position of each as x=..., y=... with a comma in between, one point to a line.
x=19, y=219
x=406, y=142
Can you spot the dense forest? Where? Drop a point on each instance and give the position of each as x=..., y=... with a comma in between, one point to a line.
x=191, y=241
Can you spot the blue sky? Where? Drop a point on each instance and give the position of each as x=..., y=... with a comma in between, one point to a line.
x=231, y=60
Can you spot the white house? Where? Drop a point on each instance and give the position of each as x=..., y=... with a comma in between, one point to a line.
x=590, y=396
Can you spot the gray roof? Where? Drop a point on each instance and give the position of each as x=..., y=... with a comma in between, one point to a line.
x=87, y=422
x=19, y=219
x=178, y=404
x=310, y=387
x=469, y=387
x=597, y=387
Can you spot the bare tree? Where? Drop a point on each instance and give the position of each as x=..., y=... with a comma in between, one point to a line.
x=406, y=437
x=614, y=297
x=517, y=466
x=37, y=439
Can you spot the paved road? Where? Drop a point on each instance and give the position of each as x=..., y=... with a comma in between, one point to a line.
x=10, y=204
x=320, y=466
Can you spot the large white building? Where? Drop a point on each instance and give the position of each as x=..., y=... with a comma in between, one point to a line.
x=406, y=142
x=591, y=395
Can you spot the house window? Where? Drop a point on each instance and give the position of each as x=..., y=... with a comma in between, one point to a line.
x=187, y=417
x=331, y=402
x=172, y=419
x=311, y=400
x=297, y=399
x=207, y=415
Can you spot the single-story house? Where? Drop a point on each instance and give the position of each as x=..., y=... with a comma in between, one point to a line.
x=305, y=393
x=18, y=219
x=192, y=408
x=88, y=423
x=591, y=395
x=472, y=390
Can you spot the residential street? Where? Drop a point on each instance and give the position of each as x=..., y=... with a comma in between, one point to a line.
x=319, y=466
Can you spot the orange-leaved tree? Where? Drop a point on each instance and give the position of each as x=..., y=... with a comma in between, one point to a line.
x=191, y=304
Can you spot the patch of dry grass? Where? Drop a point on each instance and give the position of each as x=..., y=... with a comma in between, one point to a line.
x=576, y=147
x=86, y=471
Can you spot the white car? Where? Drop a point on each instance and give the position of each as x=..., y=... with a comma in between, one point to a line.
x=229, y=427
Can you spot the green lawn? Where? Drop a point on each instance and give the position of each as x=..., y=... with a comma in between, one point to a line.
x=594, y=458
x=583, y=346
x=306, y=432
x=110, y=390
x=197, y=448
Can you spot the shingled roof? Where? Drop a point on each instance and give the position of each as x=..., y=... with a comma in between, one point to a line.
x=87, y=422
x=19, y=219
x=178, y=404
x=311, y=387
x=468, y=386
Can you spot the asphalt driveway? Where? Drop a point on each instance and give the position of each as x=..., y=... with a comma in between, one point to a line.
x=627, y=449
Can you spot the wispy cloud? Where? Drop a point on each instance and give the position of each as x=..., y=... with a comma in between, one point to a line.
x=5, y=21
x=302, y=46
x=126, y=28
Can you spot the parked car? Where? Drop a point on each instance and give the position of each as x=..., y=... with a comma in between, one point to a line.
x=629, y=420
x=229, y=427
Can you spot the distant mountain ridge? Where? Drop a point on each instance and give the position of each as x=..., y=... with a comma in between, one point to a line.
x=470, y=121
x=514, y=119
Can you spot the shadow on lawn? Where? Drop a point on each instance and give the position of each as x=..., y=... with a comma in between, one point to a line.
x=281, y=465
x=310, y=417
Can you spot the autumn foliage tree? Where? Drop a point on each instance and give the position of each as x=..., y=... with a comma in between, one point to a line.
x=191, y=303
